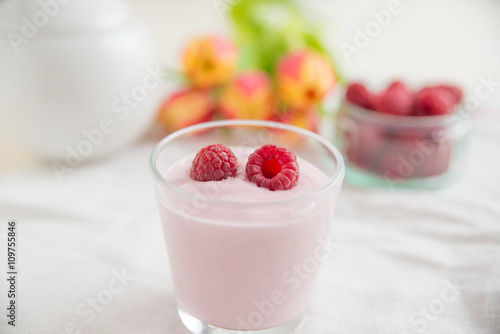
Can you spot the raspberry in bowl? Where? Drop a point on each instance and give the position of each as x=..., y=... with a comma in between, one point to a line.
x=401, y=138
x=246, y=216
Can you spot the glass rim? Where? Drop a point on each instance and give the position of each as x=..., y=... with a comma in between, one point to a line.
x=408, y=121
x=335, y=179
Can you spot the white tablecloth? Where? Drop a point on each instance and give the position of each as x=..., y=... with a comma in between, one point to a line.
x=92, y=259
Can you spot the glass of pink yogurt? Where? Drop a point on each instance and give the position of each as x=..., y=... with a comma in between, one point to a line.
x=245, y=259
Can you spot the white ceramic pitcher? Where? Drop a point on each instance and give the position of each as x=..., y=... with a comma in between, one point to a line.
x=77, y=77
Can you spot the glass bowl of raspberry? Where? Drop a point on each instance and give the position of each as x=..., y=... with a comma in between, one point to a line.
x=402, y=139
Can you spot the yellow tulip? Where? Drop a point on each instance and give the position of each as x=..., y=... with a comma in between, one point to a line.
x=210, y=61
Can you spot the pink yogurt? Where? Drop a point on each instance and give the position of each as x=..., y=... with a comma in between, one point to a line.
x=244, y=257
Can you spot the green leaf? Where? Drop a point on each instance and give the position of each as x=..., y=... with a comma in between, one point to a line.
x=266, y=30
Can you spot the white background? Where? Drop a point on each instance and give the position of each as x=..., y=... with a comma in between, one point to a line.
x=445, y=40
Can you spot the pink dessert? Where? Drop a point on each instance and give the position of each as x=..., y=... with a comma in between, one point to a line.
x=244, y=257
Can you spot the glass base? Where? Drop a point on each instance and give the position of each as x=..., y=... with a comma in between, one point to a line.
x=360, y=178
x=196, y=326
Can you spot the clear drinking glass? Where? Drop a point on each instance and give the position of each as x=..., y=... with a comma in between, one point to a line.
x=239, y=266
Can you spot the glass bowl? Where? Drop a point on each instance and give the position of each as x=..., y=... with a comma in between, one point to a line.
x=382, y=150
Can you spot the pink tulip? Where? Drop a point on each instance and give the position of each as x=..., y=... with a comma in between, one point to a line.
x=185, y=108
x=304, y=79
x=248, y=96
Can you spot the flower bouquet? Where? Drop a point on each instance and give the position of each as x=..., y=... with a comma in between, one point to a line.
x=275, y=67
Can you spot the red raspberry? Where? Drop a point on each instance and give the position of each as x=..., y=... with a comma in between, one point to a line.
x=455, y=91
x=438, y=154
x=396, y=100
x=434, y=101
x=397, y=86
x=214, y=163
x=394, y=164
x=363, y=144
x=272, y=167
x=358, y=94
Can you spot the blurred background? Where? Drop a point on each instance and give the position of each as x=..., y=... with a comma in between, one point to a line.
x=429, y=40
x=446, y=40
